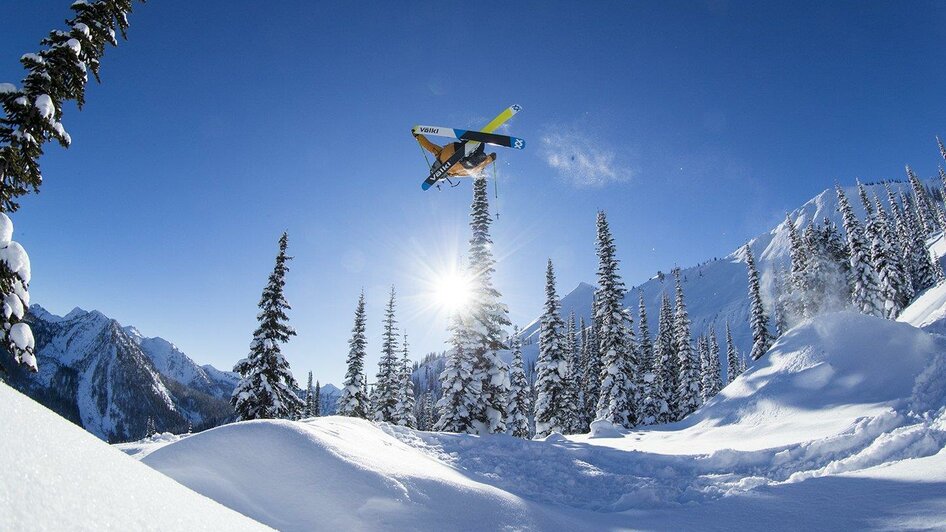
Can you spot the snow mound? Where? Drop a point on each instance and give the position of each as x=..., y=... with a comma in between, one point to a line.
x=342, y=474
x=56, y=476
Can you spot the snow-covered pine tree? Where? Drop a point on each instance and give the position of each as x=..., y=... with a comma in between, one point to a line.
x=942, y=179
x=618, y=395
x=796, y=297
x=865, y=200
x=899, y=225
x=688, y=388
x=405, y=399
x=481, y=325
x=551, y=368
x=16, y=336
x=591, y=384
x=517, y=413
x=758, y=321
x=32, y=117
x=317, y=402
x=825, y=279
x=865, y=289
x=702, y=354
x=666, y=368
x=892, y=282
x=571, y=407
x=715, y=370
x=581, y=375
x=387, y=386
x=646, y=346
x=461, y=389
x=308, y=399
x=353, y=400
x=650, y=407
x=921, y=202
x=266, y=388
x=733, y=364
x=925, y=271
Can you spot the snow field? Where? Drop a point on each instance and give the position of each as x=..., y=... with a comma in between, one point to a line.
x=838, y=403
x=56, y=476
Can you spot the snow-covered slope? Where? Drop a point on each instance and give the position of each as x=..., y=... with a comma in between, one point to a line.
x=55, y=476
x=717, y=290
x=841, y=425
x=110, y=380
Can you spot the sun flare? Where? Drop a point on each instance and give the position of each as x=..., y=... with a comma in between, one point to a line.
x=451, y=291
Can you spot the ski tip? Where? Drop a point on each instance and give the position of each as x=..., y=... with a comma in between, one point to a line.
x=425, y=185
x=515, y=107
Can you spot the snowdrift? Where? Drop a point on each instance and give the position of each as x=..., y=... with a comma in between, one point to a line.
x=816, y=381
x=56, y=476
x=841, y=425
x=340, y=474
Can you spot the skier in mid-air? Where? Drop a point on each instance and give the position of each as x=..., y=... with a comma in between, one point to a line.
x=471, y=165
x=467, y=157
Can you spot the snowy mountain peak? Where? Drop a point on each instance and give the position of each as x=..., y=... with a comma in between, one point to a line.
x=75, y=313
x=110, y=379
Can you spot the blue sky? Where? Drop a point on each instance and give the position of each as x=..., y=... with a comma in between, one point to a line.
x=220, y=124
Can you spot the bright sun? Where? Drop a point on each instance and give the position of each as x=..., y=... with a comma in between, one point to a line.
x=451, y=291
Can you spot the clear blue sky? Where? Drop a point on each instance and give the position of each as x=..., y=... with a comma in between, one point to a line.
x=220, y=124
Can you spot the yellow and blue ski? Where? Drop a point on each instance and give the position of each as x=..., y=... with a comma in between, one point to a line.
x=468, y=146
x=469, y=134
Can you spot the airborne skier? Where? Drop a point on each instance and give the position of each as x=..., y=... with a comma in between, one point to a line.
x=467, y=156
x=470, y=165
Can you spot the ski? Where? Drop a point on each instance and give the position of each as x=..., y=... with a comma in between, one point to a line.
x=447, y=165
x=469, y=145
x=469, y=134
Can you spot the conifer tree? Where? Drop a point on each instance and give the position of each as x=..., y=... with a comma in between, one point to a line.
x=794, y=300
x=479, y=328
x=461, y=389
x=405, y=397
x=865, y=287
x=942, y=150
x=552, y=366
x=353, y=400
x=733, y=361
x=758, y=321
x=865, y=201
x=427, y=415
x=618, y=395
x=586, y=403
x=650, y=407
x=309, y=399
x=666, y=367
x=899, y=241
x=571, y=413
x=388, y=382
x=824, y=283
x=317, y=402
x=266, y=388
x=31, y=117
x=715, y=370
x=517, y=413
x=921, y=204
x=646, y=346
x=894, y=288
x=925, y=270
x=702, y=354
x=688, y=389
x=591, y=382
